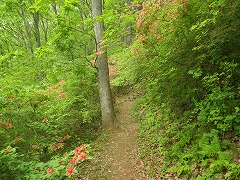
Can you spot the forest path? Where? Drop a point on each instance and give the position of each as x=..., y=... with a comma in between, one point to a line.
x=120, y=154
x=118, y=157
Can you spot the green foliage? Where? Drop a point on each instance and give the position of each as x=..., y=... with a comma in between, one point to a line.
x=49, y=101
x=186, y=56
x=48, y=115
x=15, y=166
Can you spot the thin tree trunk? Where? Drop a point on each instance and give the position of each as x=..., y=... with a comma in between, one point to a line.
x=108, y=115
x=28, y=31
x=45, y=30
x=36, y=28
x=54, y=6
x=38, y=42
x=129, y=27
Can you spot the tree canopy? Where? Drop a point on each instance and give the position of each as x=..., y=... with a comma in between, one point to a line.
x=183, y=54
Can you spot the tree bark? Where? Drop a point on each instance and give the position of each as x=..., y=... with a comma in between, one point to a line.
x=28, y=30
x=38, y=42
x=45, y=29
x=107, y=110
x=36, y=28
x=54, y=6
x=129, y=27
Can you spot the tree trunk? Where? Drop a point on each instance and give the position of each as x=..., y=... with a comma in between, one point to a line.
x=45, y=29
x=28, y=31
x=54, y=6
x=108, y=115
x=38, y=43
x=129, y=27
x=36, y=28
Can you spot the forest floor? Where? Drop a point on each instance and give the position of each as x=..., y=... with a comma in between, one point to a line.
x=116, y=152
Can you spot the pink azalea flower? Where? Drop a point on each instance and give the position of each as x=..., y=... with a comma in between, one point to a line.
x=8, y=125
x=70, y=171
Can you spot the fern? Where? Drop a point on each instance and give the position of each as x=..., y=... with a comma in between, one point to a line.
x=209, y=144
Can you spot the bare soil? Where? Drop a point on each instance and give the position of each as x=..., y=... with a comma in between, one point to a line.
x=118, y=154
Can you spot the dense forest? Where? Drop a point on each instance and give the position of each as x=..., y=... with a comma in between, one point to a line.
x=183, y=54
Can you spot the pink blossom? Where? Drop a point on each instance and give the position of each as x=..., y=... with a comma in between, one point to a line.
x=73, y=161
x=83, y=156
x=8, y=125
x=139, y=22
x=50, y=171
x=70, y=171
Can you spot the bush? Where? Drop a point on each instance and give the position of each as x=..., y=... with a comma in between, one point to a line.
x=190, y=68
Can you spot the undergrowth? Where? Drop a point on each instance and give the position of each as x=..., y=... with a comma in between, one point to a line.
x=189, y=67
x=174, y=147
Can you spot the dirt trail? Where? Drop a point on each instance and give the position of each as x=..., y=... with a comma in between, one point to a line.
x=119, y=157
